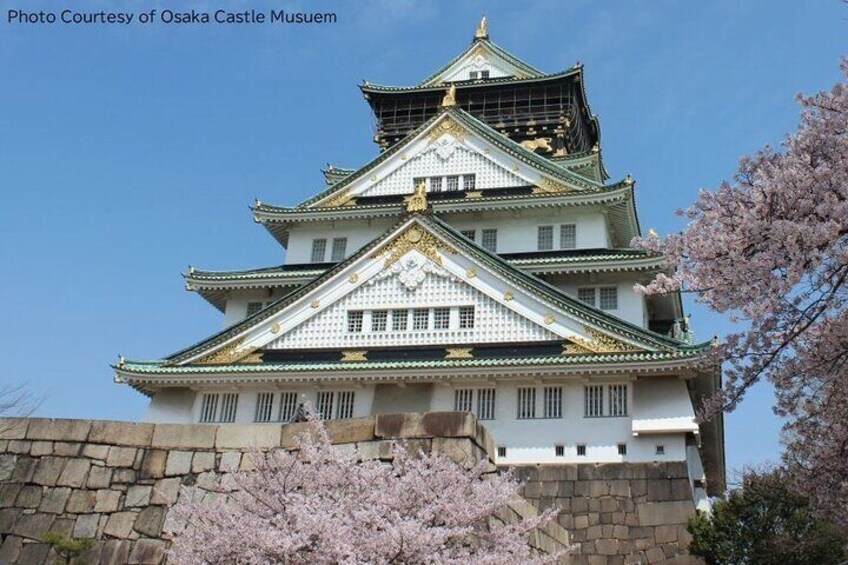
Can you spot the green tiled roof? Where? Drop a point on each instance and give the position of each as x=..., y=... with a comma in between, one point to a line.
x=371, y=87
x=516, y=62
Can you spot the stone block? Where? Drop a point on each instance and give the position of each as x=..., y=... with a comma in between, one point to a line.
x=81, y=501
x=13, y=428
x=153, y=464
x=184, y=436
x=123, y=476
x=594, y=532
x=115, y=552
x=7, y=519
x=39, y=448
x=99, y=477
x=203, y=461
x=63, y=526
x=579, y=504
x=660, y=513
x=609, y=504
x=11, y=549
x=138, y=495
x=107, y=500
x=179, y=463
x=606, y=546
x=19, y=446
x=581, y=522
x=459, y=450
x=74, y=473
x=248, y=436
x=67, y=448
x=659, y=490
x=147, y=552
x=121, y=433
x=86, y=526
x=58, y=429
x=29, y=496
x=33, y=526
x=655, y=555
x=9, y=492
x=7, y=465
x=34, y=553
x=54, y=500
x=620, y=532
x=120, y=525
x=230, y=461
x=165, y=491
x=48, y=470
x=681, y=489
x=149, y=521
x=121, y=456
x=93, y=451
x=619, y=488
x=428, y=425
x=665, y=534
x=566, y=489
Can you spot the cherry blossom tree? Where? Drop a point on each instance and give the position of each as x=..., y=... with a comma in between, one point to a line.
x=327, y=504
x=770, y=249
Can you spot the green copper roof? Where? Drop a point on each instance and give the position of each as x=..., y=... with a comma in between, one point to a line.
x=497, y=50
x=376, y=88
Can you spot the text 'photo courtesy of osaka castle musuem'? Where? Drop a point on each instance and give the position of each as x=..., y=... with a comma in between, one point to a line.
x=481, y=262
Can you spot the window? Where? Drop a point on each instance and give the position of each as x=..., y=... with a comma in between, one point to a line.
x=217, y=407
x=400, y=320
x=553, y=401
x=473, y=75
x=622, y=449
x=354, y=321
x=441, y=318
x=420, y=319
x=526, y=403
x=324, y=406
x=379, y=319
x=545, y=238
x=593, y=401
x=253, y=308
x=486, y=404
x=462, y=400
x=339, y=248
x=341, y=400
x=435, y=184
x=581, y=450
x=568, y=236
x=466, y=317
x=344, y=406
x=469, y=182
x=288, y=405
x=559, y=450
x=484, y=74
x=608, y=298
x=264, y=407
x=660, y=450
x=586, y=295
x=470, y=234
x=319, y=247
x=501, y=452
x=453, y=182
x=490, y=240
x=618, y=400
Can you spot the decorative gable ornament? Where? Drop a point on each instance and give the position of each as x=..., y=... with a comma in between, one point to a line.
x=411, y=271
x=445, y=147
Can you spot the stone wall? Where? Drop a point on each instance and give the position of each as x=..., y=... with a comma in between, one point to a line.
x=115, y=481
x=622, y=513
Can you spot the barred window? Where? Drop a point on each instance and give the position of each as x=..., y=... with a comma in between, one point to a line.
x=462, y=399
x=441, y=318
x=217, y=407
x=581, y=450
x=344, y=405
x=435, y=184
x=553, y=401
x=288, y=405
x=420, y=319
x=526, y=403
x=473, y=75
x=209, y=408
x=470, y=234
x=469, y=182
x=324, y=406
x=593, y=401
x=618, y=400
x=559, y=450
x=354, y=321
x=339, y=248
x=453, y=182
x=622, y=449
x=501, y=451
x=490, y=239
x=319, y=248
x=660, y=449
x=484, y=74
x=587, y=295
x=229, y=404
x=379, y=319
x=466, y=317
x=608, y=297
x=486, y=404
x=545, y=238
x=253, y=308
x=568, y=236
x=264, y=407
x=400, y=320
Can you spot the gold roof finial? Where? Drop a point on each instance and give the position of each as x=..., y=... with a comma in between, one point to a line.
x=418, y=201
x=482, y=31
x=450, y=97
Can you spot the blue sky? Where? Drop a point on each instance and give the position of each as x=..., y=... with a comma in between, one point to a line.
x=128, y=153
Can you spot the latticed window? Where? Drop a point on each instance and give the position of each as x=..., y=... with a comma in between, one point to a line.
x=209, y=408
x=264, y=407
x=469, y=182
x=339, y=248
x=608, y=297
x=526, y=403
x=622, y=449
x=462, y=400
x=553, y=401
x=420, y=319
x=568, y=236
x=319, y=249
x=586, y=295
x=618, y=400
x=470, y=234
x=453, y=182
x=400, y=320
x=441, y=318
x=324, y=406
x=379, y=319
x=559, y=450
x=581, y=450
x=217, y=407
x=253, y=308
x=593, y=401
x=490, y=239
x=484, y=74
x=288, y=405
x=486, y=404
x=436, y=184
x=545, y=238
x=344, y=405
x=354, y=321
x=466, y=317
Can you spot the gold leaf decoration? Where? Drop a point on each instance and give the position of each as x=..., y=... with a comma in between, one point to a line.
x=343, y=198
x=546, y=185
x=354, y=356
x=508, y=296
x=604, y=343
x=232, y=353
x=569, y=348
x=471, y=272
x=416, y=238
x=315, y=304
x=353, y=278
x=474, y=194
x=275, y=327
x=548, y=319
x=459, y=353
x=447, y=126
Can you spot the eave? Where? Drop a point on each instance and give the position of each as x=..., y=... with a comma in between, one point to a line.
x=497, y=50
x=368, y=88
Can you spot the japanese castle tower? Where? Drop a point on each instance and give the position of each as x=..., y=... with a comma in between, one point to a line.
x=481, y=262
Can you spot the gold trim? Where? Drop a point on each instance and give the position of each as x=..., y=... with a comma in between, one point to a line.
x=353, y=278
x=482, y=31
x=343, y=198
x=548, y=319
x=508, y=296
x=459, y=353
x=418, y=201
x=450, y=97
x=275, y=327
x=354, y=356
x=447, y=126
x=416, y=238
x=314, y=304
x=569, y=348
x=231, y=354
x=607, y=344
x=470, y=272
x=547, y=185
x=474, y=194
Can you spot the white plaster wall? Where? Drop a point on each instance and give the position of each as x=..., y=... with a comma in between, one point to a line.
x=173, y=406
x=631, y=306
x=236, y=309
x=461, y=68
x=358, y=234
